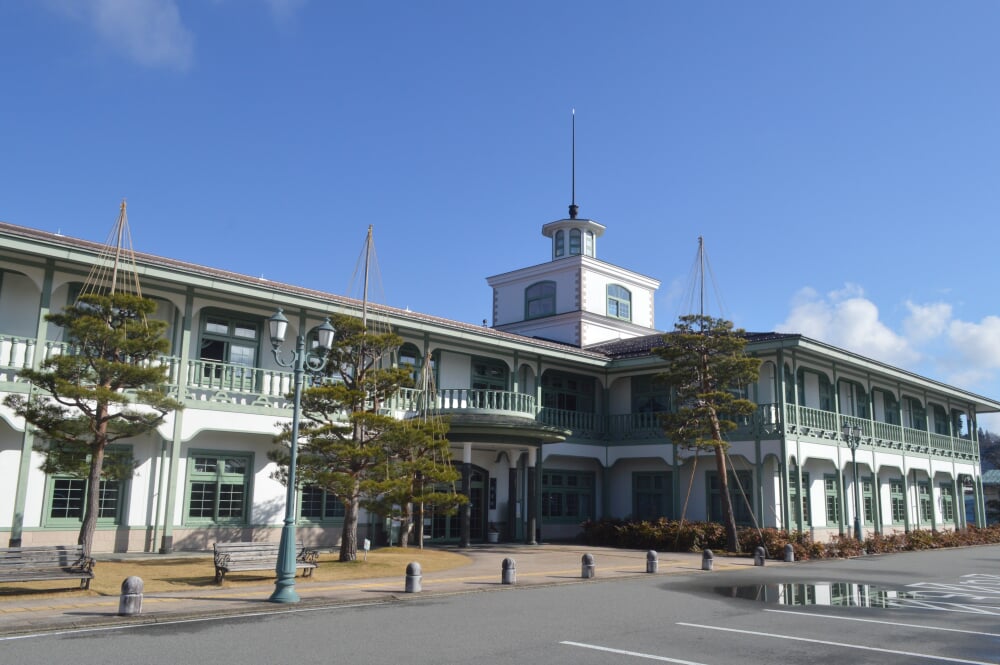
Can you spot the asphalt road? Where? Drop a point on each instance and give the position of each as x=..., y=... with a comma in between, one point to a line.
x=929, y=607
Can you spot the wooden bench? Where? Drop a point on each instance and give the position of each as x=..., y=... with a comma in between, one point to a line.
x=51, y=562
x=238, y=557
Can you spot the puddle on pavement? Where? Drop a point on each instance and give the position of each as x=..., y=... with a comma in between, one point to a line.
x=834, y=594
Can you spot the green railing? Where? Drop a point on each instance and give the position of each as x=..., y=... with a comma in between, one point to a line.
x=225, y=382
x=583, y=425
x=826, y=424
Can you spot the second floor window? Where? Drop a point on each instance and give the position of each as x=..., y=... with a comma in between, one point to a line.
x=649, y=394
x=540, y=300
x=226, y=340
x=567, y=392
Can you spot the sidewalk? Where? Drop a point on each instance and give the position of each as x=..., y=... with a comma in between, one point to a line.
x=536, y=565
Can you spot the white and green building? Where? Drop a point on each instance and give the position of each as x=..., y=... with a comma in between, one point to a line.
x=553, y=413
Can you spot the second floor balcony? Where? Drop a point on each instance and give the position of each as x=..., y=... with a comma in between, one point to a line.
x=231, y=387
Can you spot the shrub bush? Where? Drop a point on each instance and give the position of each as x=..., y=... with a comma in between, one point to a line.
x=674, y=536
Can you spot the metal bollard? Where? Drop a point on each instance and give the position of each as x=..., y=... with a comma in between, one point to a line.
x=131, y=599
x=508, y=571
x=789, y=553
x=588, y=566
x=759, y=555
x=413, y=577
x=707, y=560
x=652, y=561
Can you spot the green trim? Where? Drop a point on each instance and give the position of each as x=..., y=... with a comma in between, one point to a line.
x=652, y=495
x=897, y=501
x=567, y=497
x=540, y=300
x=74, y=496
x=619, y=302
x=331, y=509
x=222, y=493
x=802, y=519
x=741, y=512
x=831, y=493
x=948, y=503
x=868, y=498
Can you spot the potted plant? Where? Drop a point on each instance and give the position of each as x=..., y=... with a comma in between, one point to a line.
x=493, y=535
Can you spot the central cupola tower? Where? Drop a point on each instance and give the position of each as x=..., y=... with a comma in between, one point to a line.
x=573, y=237
x=574, y=298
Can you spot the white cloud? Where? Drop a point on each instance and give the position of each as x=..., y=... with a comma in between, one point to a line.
x=977, y=344
x=926, y=322
x=148, y=31
x=847, y=319
x=962, y=353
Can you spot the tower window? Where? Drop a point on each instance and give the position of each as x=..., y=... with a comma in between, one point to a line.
x=619, y=302
x=560, y=247
x=540, y=300
x=574, y=241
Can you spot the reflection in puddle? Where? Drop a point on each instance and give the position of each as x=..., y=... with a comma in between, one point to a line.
x=837, y=594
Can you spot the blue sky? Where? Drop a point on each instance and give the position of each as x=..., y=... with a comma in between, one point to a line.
x=840, y=159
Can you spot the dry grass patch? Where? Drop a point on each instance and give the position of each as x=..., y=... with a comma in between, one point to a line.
x=198, y=572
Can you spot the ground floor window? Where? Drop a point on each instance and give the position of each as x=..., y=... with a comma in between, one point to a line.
x=805, y=518
x=66, y=496
x=925, y=502
x=947, y=502
x=318, y=505
x=567, y=496
x=218, y=488
x=652, y=496
x=897, y=499
x=868, y=499
x=831, y=487
x=740, y=495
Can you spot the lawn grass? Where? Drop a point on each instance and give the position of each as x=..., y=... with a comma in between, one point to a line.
x=179, y=573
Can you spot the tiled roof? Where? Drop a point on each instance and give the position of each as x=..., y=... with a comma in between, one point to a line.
x=991, y=477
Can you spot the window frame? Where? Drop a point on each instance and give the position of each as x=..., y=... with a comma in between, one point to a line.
x=868, y=499
x=582, y=488
x=948, y=513
x=806, y=518
x=575, y=242
x=649, y=395
x=897, y=500
x=193, y=476
x=559, y=241
x=616, y=301
x=122, y=491
x=564, y=391
x=831, y=495
x=214, y=368
x=545, y=299
x=741, y=512
x=925, y=502
x=332, y=509
x=660, y=498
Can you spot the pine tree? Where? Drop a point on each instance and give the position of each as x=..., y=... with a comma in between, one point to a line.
x=419, y=474
x=347, y=447
x=106, y=386
x=707, y=369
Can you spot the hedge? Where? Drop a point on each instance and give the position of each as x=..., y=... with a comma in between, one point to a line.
x=673, y=536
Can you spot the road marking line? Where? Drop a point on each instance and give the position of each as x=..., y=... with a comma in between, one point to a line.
x=889, y=623
x=840, y=644
x=635, y=654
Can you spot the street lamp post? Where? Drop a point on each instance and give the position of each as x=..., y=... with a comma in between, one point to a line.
x=852, y=434
x=301, y=362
